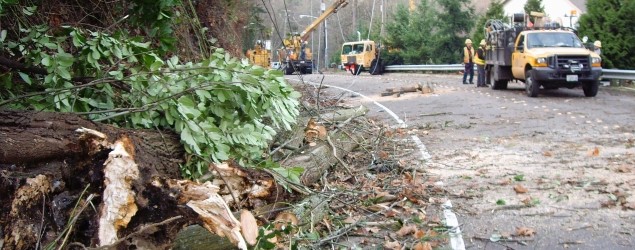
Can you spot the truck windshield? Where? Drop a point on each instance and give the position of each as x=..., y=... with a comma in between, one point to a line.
x=350, y=49
x=347, y=49
x=553, y=39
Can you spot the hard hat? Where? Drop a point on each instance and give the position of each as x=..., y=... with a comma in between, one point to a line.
x=483, y=42
x=597, y=44
x=468, y=41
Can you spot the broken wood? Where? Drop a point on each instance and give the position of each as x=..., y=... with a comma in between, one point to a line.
x=134, y=174
x=53, y=161
x=425, y=88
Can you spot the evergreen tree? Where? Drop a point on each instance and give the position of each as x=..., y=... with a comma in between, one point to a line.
x=611, y=22
x=455, y=23
x=494, y=11
x=533, y=5
x=409, y=35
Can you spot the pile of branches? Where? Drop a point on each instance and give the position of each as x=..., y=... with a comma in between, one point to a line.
x=99, y=185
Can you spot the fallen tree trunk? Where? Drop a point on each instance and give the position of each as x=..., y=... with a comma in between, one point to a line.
x=56, y=166
x=425, y=88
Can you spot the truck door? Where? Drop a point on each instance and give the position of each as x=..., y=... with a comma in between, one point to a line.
x=368, y=56
x=518, y=58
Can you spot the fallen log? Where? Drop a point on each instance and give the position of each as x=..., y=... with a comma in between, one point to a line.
x=318, y=155
x=425, y=88
x=56, y=167
x=133, y=173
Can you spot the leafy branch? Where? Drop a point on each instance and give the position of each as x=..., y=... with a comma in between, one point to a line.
x=222, y=107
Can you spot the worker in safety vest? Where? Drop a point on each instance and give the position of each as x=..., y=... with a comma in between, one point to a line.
x=479, y=59
x=468, y=61
x=597, y=47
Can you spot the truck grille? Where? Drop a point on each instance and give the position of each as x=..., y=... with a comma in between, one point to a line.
x=351, y=59
x=574, y=63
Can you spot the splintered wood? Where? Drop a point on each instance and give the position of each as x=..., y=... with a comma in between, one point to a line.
x=425, y=88
x=118, y=202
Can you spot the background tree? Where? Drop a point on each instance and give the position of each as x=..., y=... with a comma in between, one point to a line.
x=612, y=22
x=409, y=35
x=457, y=21
x=494, y=11
x=533, y=5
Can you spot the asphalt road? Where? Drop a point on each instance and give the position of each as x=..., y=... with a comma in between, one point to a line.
x=570, y=157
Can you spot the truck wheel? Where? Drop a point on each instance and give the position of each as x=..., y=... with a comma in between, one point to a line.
x=590, y=88
x=376, y=67
x=356, y=69
x=288, y=70
x=489, y=77
x=531, y=86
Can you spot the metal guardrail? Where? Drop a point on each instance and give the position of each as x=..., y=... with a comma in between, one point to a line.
x=617, y=74
x=427, y=67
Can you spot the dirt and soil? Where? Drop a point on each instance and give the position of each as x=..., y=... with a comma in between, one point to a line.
x=551, y=172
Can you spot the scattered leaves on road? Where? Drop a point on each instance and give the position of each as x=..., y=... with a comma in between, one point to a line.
x=525, y=231
x=520, y=189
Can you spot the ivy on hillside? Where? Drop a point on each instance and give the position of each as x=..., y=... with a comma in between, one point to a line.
x=222, y=107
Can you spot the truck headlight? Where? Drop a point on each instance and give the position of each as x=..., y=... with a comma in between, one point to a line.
x=541, y=60
x=596, y=60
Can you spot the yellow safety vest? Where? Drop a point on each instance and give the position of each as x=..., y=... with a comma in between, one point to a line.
x=479, y=61
x=466, y=54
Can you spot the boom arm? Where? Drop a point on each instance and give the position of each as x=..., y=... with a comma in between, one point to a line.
x=330, y=10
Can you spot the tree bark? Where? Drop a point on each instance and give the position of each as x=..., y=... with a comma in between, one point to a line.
x=68, y=180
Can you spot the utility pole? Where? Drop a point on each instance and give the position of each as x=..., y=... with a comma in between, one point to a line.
x=323, y=49
x=355, y=14
x=326, y=44
x=312, y=35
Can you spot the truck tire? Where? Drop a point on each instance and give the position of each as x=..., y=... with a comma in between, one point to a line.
x=590, y=88
x=495, y=84
x=356, y=69
x=288, y=69
x=376, y=67
x=531, y=86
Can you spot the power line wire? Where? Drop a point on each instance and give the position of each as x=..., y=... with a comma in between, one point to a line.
x=372, y=14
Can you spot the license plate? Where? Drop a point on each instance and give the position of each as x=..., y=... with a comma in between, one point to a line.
x=572, y=78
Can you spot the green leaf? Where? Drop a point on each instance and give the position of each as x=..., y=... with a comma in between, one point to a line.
x=78, y=39
x=187, y=108
x=186, y=136
x=46, y=61
x=173, y=61
x=203, y=94
x=63, y=72
x=95, y=53
x=3, y=35
x=29, y=10
x=116, y=51
x=156, y=65
x=140, y=45
x=26, y=78
x=65, y=59
x=118, y=75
